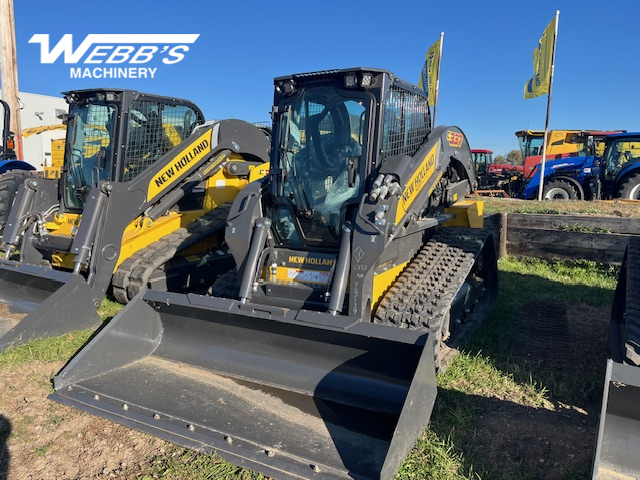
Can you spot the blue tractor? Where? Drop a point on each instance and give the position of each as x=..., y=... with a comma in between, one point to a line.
x=615, y=174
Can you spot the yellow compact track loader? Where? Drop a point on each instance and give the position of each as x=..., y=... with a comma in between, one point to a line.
x=356, y=271
x=142, y=200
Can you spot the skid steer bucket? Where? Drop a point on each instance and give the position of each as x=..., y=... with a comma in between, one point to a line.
x=292, y=394
x=619, y=431
x=39, y=302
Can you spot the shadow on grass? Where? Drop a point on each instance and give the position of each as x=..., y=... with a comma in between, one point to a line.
x=499, y=439
x=552, y=338
x=551, y=335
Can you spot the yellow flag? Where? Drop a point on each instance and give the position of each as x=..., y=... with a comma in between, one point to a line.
x=429, y=75
x=542, y=58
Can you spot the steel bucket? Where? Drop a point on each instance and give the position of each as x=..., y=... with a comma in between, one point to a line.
x=291, y=394
x=41, y=302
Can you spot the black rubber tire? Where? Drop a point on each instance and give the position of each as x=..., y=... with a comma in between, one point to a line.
x=630, y=187
x=9, y=183
x=625, y=314
x=560, y=190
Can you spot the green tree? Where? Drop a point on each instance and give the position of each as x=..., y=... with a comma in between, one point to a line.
x=514, y=157
x=499, y=159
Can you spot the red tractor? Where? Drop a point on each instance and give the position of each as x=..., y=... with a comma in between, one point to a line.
x=495, y=179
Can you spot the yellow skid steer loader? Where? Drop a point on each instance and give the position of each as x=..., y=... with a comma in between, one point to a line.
x=356, y=270
x=142, y=200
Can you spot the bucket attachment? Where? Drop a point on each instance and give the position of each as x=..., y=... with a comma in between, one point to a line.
x=292, y=394
x=41, y=302
x=617, y=452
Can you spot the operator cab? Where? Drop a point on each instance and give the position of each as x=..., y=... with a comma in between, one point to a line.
x=332, y=133
x=115, y=135
x=620, y=154
x=321, y=145
x=481, y=160
x=327, y=140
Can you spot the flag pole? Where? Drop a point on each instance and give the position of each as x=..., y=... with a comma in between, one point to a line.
x=546, y=122
x=435, y=100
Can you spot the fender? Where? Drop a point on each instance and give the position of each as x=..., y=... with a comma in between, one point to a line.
x=6, y=165
x=575, y=163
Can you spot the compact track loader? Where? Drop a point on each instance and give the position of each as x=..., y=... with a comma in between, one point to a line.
x=316, y=357
x=145, y=190
x=619, y=430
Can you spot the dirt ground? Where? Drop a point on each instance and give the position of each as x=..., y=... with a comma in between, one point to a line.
x=52, y=441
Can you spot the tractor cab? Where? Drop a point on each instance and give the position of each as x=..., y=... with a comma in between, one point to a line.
x=620, y=169
x=481, y=161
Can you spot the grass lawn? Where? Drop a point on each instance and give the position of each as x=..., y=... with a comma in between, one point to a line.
x=520, y=401
x=619, y=208
x=495, y=380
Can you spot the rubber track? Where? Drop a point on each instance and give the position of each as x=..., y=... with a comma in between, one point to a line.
x=632, y=304
x=421, y=297
x=134, y=273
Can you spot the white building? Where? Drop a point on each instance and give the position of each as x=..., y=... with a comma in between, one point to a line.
x=40, y=110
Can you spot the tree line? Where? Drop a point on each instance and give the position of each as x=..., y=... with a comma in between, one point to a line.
x=514, y=157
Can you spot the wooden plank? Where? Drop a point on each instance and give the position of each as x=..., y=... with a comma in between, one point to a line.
x=502, y=250
x=492, y=222
x=571, y=222
x=600, y=247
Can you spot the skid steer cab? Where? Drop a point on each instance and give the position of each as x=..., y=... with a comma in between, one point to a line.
x=355, y=265
x=142, y=200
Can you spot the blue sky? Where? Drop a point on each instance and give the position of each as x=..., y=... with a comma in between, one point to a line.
x=487, y=55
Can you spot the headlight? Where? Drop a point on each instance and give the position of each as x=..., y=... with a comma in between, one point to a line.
x=367, y=79
x=287, y=87
x=350, y=80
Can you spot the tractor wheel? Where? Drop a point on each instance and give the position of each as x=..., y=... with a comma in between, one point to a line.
x=559, y=190
x=625, y=314
x=9, y=183
x=630, y=187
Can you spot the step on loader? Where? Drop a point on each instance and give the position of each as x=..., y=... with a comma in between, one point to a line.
x=358, y=263
x=618, y=442
x=142, y=200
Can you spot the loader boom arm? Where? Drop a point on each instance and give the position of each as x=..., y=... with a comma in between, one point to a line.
x=156, y=190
